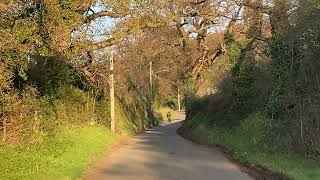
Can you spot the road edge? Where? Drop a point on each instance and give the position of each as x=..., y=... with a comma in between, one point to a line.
x=255, y=171
x=93, y=171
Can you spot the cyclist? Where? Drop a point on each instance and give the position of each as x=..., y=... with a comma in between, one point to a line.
x=169, y=116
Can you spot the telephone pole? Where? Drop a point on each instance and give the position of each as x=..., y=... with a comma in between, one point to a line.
x=113, y=123
x=149, y=103
x=151, y=72
x=179, y=99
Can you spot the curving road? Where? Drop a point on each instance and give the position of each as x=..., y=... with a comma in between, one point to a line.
x=161, y=154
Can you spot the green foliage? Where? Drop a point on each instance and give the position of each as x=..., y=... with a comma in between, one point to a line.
x=248, y=143
x=136, y=111
x=245, y=70
x=234, y=49
x=49, y=73
x=244, y=90
x=60, y=96
x=49, y=122
x=253, y=130
x=281, y=81
x=63, y=156
x=190, y=87
x=250, y=133
x=103, y=112
x=293, y=101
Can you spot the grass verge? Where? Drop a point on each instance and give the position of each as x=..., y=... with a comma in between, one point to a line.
x=247, y=144
x=64, y=156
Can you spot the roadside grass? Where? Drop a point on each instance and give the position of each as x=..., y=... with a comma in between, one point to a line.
x=247, y=144
x=64, y=156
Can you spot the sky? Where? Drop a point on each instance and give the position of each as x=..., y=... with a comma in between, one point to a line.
x=100, y=28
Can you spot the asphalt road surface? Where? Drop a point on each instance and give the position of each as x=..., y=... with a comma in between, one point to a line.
x=161, y=154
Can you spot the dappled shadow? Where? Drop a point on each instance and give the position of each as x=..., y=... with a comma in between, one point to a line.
x=160, y=153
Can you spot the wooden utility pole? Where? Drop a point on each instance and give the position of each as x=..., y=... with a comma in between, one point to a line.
x=149, y=103
x=151, y=85
x=113, y=123
x=179, y=100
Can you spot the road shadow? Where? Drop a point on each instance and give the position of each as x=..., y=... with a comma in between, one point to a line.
x=160, y=153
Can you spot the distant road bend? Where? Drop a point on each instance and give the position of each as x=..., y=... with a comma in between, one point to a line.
x=161, y=154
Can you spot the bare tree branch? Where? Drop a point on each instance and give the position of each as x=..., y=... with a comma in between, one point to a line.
x=104, y=14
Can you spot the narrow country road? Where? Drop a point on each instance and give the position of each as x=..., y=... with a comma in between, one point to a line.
x=161, y=154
